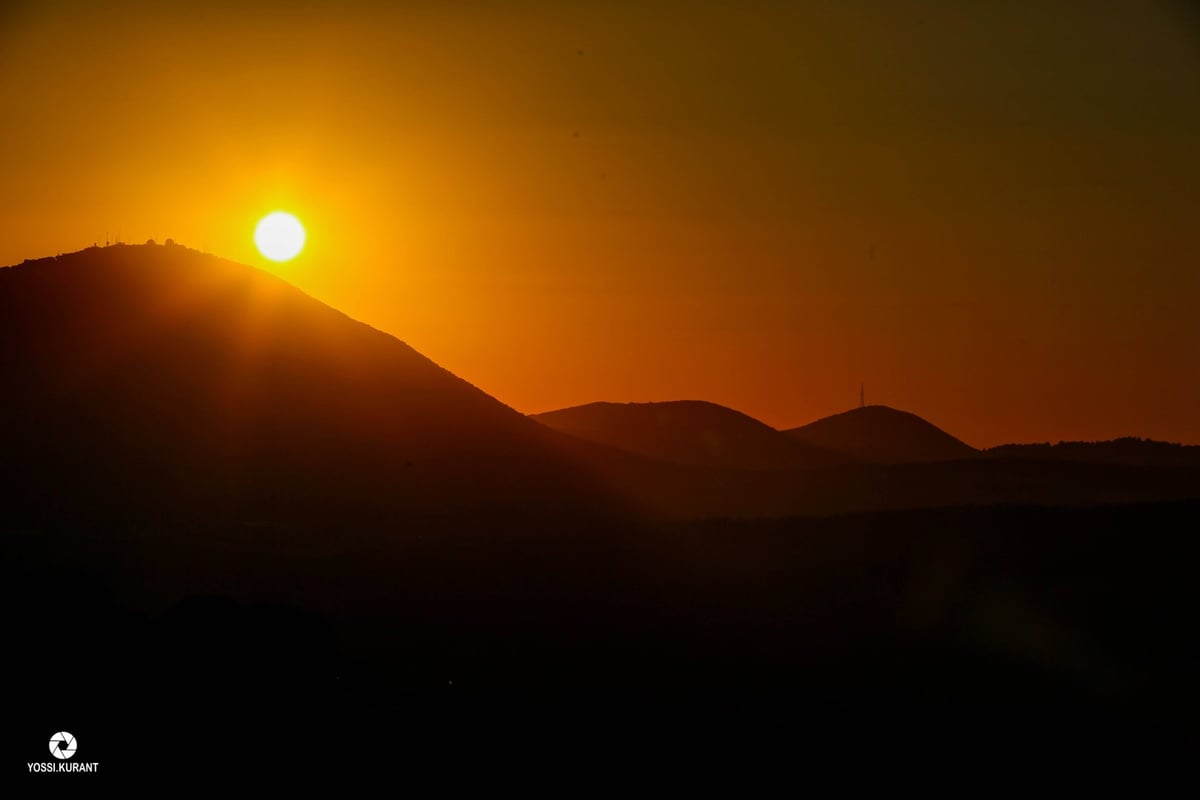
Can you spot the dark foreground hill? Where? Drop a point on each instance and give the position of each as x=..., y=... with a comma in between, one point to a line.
x=150, y=381
x=689, y=432
x=682, y=650
x=883, y=435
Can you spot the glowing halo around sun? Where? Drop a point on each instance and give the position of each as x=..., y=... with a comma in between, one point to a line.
x=279, y=236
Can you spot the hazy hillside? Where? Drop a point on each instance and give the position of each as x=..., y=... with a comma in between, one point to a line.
x=688, y=432
x=882, y=435
x=694, y=492
x=152, y=380
x=1129, y=450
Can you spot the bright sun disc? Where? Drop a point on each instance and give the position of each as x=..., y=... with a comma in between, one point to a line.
x=279, y=236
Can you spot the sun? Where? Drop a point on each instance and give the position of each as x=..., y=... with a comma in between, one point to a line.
x=279, y=236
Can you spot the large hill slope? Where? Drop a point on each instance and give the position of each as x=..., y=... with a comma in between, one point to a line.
x=152, y=380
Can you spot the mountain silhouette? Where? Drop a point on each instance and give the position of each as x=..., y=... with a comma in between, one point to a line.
x=883, y=435
x=237, y=496
x=690, y=432
x=150, y=380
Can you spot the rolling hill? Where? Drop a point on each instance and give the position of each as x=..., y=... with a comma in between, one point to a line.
x=689, y=432
x=883, y=435
x=694, y=460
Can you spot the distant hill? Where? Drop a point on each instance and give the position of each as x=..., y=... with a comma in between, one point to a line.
x=1128, y=450
x=142, y=381
x=658, y=456
x=689, y=432
x=883, y=435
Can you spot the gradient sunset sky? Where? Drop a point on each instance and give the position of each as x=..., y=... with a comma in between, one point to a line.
x=987, y=211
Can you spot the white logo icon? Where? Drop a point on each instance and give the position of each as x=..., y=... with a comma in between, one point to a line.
x=62, y=745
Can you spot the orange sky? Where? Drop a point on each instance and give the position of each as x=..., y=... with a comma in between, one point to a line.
x=986, y=211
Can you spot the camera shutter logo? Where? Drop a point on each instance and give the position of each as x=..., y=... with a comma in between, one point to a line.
x=62, y=745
